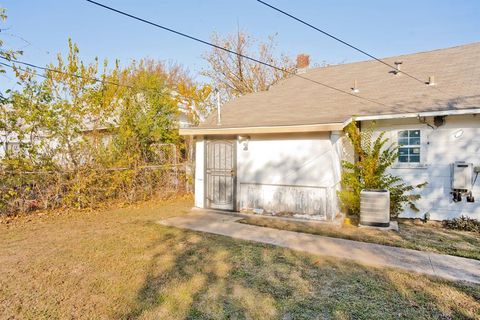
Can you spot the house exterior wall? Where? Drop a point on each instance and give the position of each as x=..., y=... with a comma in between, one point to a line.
x=457, y=140
x=289, y=173
x=199, y=183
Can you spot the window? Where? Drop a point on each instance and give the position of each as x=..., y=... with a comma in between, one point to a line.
x=409, y=146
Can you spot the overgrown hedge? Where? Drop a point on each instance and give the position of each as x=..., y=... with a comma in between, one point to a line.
x=85, y=188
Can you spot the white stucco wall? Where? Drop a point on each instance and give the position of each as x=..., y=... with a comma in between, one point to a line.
x=199, y=172
x=457, y=140
x=287, y=159
x=278, y=169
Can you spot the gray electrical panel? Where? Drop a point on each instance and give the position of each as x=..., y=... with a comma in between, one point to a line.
x=462, y=174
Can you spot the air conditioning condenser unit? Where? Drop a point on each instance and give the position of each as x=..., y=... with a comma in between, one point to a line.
x=375, y=208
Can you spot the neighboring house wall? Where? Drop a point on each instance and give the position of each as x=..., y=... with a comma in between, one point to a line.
x=183, y=121
x=11, y=143
x=457, y=140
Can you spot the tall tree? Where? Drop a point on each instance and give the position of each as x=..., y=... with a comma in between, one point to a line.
x=191, y=97
x=148, y=113
x=235, y=76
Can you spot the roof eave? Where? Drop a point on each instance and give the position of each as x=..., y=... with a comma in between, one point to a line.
x=418, y=114
x=323, y=127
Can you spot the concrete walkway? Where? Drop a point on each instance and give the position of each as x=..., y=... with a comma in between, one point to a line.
x=445, y=266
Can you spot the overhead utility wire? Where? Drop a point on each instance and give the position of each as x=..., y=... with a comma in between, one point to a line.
x=65, y=73
x=230, y=51
x=340, y=40
x=25, y=70
x=32, y=72
x=69, y=74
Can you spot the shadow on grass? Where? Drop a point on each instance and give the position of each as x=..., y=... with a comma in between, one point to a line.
x=200, y=276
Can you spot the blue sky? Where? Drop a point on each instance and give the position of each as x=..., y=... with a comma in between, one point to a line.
x=383, y=28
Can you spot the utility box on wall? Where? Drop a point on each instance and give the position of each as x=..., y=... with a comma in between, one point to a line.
x=462, y=176
x=462, y=182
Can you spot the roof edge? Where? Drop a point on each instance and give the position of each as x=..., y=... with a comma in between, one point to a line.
x=418, y=114
x=323, y=127
x=392, y=57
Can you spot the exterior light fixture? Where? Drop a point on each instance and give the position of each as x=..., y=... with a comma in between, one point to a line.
x=458, y=134
x=243, y=140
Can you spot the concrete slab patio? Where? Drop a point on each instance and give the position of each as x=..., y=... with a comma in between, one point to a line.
x=445, y=266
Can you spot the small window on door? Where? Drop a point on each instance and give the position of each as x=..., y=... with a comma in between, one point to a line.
x=409, y=146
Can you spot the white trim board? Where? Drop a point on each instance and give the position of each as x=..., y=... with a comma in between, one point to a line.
x=418, y=114
x=321, y=126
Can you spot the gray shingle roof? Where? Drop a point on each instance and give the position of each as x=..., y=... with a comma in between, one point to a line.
x=296, y=101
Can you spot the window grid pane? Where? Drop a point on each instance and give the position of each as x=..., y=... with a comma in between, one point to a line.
x=414, y=141
x=414, y=133
x=409, y=150
x=414, y=159
x=402, y=141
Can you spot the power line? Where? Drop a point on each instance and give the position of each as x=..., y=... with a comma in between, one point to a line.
x=24, y=70
x=27, y=71
x=64, y=73
x=230, y=51
x=68, y=74
x=340, y=40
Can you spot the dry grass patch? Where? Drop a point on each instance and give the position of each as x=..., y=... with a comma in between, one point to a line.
x=121, y=264
x=412, y=235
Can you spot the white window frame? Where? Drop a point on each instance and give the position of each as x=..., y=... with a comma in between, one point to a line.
x=416, y=165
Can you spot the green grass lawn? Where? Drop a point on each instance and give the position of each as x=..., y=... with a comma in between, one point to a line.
x=121, y=264
x=412, y=235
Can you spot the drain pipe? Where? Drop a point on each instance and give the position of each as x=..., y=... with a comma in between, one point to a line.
x=219, y=108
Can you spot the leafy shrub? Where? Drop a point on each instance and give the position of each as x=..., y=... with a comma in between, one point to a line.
x=81, y=142
x=462, y=223
x=369, y=172
x=86, y=188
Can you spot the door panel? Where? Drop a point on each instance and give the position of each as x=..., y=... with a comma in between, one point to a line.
x=220, y=174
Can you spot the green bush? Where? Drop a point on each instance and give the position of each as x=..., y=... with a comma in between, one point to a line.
x=369, y=172
x=463, y=223
x=72, y=141
x=86, y=188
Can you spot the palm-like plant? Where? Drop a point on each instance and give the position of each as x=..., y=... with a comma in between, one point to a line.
x=369, y=171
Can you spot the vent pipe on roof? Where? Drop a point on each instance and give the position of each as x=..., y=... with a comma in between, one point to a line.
x=431, y=81
x=398, y=64
x=219, y=108
x=355, y=88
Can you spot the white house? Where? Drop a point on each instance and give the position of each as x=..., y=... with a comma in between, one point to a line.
x=280, y=150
